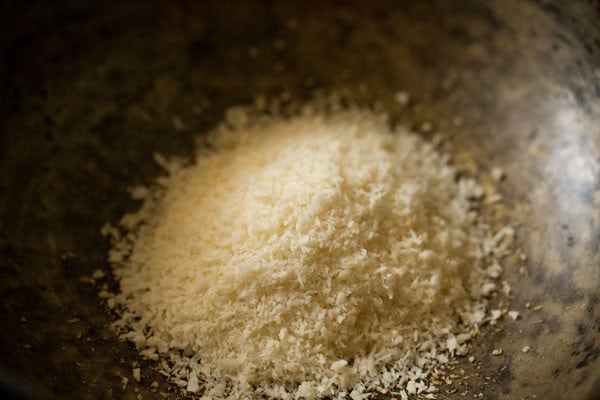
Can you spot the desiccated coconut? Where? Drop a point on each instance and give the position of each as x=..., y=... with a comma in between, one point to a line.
x=303, y=257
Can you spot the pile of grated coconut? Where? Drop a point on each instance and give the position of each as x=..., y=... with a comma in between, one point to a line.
x=322, y=254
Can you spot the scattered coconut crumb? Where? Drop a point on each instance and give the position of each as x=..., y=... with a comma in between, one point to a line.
x=426, y=127
x=110, y=303
x=497, y=352
x=495, y=316
x=192, y=385
x=411, y=387
x=87, y=280
x=514, y=315
x=98, y=274
x=103, y=294
x=526, y=349
x=402, y=98
x=137, y=374
x=494, y=198
x=497, y=174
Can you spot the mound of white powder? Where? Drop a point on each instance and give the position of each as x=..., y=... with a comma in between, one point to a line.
x=315, y=255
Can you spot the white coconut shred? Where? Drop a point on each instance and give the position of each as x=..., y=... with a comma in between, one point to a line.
x=323, y=254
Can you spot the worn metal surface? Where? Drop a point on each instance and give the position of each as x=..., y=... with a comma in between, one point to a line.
x=89, y=92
